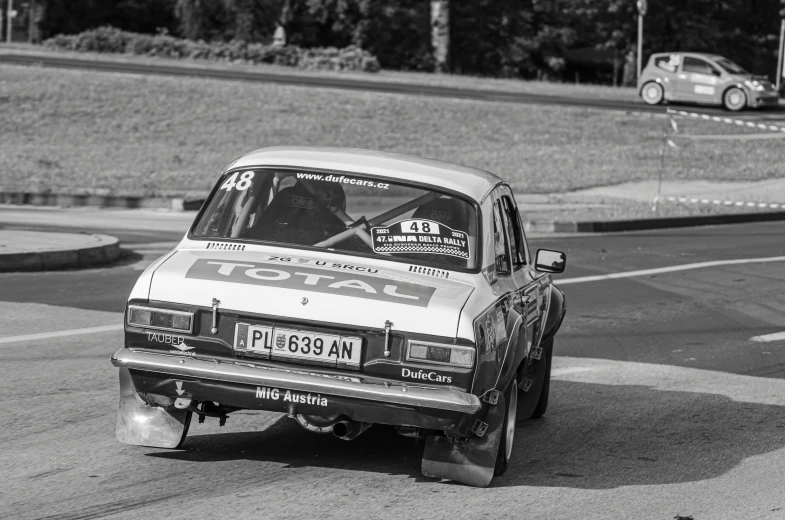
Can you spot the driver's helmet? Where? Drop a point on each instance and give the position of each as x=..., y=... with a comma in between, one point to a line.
x=329, y=194
x=303, y=215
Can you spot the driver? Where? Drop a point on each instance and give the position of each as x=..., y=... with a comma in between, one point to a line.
x=301, y=215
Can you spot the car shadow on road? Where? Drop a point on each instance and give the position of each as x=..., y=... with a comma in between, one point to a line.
x=594, y=436
x=605, y=436
x=379, y=449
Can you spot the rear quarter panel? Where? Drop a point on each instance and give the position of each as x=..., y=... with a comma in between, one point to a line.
x=491, y=305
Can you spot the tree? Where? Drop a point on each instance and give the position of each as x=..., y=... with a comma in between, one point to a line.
x=440, y=34
x=253, y=20
x=74, y=16
x=202, y=19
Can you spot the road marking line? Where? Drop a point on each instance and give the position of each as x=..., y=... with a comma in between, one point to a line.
x=718, y=202
x=726, y=120
x=669, y=269
x=61, y=333
x=557, y=372
x=776, y=336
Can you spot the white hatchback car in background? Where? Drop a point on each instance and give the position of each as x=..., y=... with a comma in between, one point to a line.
x=709, y=79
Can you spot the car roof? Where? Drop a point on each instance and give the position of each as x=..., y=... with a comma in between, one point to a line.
x=690, y=54
x=472, y=182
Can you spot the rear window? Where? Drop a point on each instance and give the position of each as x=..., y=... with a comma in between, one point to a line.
x=342, y=213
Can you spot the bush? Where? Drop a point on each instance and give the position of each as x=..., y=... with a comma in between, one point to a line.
x=102, y=39
x=111, y=40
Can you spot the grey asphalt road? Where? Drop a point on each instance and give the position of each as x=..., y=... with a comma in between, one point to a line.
x=658, y=405
x=354, y=84
x=698, y=319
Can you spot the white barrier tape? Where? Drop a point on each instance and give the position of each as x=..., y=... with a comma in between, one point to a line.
x=718, y=202
x=729, y=137
x=727, y=120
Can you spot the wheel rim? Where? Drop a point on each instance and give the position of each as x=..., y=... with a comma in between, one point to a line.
x=512, y=411
x=734, y=98
x=653, y=93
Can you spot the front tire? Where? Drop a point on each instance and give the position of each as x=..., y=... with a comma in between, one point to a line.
x=653, y=93
x=734, y=99
x=508, y=429
x=542, y=402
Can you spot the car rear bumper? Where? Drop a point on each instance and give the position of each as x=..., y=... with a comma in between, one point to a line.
x=242, y=381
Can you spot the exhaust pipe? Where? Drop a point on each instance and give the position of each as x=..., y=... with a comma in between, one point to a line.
x=348, y=430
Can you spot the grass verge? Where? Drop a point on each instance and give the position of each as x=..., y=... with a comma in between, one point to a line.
x=75, y=132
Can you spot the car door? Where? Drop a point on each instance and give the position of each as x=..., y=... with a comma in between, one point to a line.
x=698, y=80
x=529, y=290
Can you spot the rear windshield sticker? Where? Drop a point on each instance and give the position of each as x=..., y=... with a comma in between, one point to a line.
x=343, y=180
x=305, y=203
x=420, y=236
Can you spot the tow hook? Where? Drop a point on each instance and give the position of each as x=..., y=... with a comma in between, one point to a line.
x=182, y=403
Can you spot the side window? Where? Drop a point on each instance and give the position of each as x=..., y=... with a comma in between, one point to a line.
x=697, y=66
x=501, y=251
x=515, y=231
x=668, y=63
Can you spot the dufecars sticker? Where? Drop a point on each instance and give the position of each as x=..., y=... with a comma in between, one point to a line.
x=420, y=236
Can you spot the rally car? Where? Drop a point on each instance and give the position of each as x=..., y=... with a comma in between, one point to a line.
x=348, y=288
x=704, y=79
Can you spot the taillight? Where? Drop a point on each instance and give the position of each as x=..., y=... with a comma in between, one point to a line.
x=440, y=354
x=160, y=319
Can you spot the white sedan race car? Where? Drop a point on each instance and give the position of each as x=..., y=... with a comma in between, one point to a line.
x=347, y=288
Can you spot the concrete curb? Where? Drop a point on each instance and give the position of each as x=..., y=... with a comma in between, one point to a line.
x=553, y=226
x=106, y=250
x=97, y=201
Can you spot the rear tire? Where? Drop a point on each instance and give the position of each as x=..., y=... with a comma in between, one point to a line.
x=734, y=99
x=653, y=93
x=504, y=454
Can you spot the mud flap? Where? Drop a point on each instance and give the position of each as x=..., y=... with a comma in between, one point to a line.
x=144, y=425
x=472, y=462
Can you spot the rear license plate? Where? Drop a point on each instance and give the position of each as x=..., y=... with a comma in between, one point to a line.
x=298, y=345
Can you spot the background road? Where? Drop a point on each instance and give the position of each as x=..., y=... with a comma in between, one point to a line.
x=699, y=318
x=661, y=403
x=358, y=84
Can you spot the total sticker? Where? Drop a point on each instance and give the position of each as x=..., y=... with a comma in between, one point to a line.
x=420, y=236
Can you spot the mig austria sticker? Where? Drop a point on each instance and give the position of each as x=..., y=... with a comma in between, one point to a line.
x=420, y=236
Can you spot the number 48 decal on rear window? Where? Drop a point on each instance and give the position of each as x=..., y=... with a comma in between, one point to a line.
x=243, y=184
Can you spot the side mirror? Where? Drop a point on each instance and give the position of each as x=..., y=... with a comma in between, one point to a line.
x=548, y=261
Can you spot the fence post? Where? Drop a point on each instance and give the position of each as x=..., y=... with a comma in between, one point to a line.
x=779, y=54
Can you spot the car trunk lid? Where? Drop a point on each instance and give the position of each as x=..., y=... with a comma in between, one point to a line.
x=312, y=289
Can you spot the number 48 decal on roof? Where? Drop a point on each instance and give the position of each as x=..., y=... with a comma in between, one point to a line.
x=243, y=184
